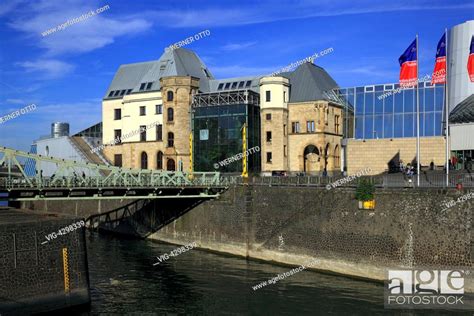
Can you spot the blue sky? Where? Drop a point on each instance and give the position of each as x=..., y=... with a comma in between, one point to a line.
x=67, y=73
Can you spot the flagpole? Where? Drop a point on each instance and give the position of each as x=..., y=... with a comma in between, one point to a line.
x=447, y=109
x=417, y=117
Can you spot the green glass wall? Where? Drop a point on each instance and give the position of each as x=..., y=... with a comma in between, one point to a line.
x=217, y=131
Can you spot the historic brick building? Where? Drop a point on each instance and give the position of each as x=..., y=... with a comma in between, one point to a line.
x=301, y=124
x=150, y=109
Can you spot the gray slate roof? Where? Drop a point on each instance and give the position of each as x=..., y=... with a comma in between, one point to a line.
x=309, y=82
x=463, y=112
x=176, y=62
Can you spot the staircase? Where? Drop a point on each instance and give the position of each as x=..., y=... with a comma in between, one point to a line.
x=85, y=149
x=141, y=218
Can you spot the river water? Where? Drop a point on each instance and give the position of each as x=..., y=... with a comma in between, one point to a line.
x=124, y=281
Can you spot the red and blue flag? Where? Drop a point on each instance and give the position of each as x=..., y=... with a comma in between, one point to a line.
x=470, y=61
x=439, y=72
x=409, y=67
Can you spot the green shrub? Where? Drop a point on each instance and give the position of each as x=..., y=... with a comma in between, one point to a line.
x=365, y=190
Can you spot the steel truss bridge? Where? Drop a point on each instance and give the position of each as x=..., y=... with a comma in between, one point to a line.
x=93, y=181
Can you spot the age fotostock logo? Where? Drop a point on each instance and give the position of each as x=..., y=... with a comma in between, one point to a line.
x=426, y=289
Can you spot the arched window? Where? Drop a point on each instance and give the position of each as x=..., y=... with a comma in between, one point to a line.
x=170, y=114
x=170, y=165
x=170, y=139
x=159, y=160
x=170, y=96
x=144, y=160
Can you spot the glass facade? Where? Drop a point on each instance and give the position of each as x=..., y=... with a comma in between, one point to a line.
x=93, y=131
x=382, y=111
x=217, y=135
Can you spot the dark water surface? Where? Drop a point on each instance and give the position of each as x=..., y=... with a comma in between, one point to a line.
x=125, y=282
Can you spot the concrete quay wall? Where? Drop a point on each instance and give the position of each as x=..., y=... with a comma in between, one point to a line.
x=36, y=276
x=408, y=228
x=292, y=225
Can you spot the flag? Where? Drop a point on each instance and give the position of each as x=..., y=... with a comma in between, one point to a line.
x=439, y=72
x=409, y=68
x=470, y=61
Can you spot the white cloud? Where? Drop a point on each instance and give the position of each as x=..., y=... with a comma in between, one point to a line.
x=84, y=36
x=8, y=6
x=16, y=101
x=48, y=68
x=238, y=46
x=269, y=11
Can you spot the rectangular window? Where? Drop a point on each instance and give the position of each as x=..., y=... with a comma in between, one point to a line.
x=142, y=86
x=336, y=124
x=111, y=93
x=268, y=116
x=227, y=85
x=143, y=133
x=117, y=136
x=284, y=130
x=142, y=111
x=129, y=91
x=148, y=86
x=247, y=85
x=159, y=132
x=284, y=96
x=118, y=160
x=295, y=127
x=267, y=96
x=310, y=126
x=221, y=85
x=117, y=114
x=117, y=93
x=269, y=157
x=159, y=109
x=269, y=137
x=241, y=84
x=234, y=85
x=122, y=92
x=285, y=151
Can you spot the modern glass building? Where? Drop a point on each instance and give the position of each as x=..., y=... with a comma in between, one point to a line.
x=382, y=111
x=218, y=119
